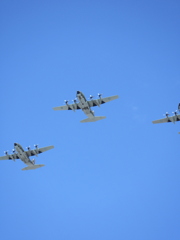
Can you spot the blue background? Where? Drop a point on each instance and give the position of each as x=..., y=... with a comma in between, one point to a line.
x=117, y=178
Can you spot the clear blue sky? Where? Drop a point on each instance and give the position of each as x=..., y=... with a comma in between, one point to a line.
x=118, y=178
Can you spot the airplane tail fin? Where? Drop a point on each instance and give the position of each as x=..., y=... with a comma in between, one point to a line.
x=94, y=119
x=33, y=167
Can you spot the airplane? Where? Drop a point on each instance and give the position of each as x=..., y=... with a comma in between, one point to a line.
x=19, y=153
x=172, y=119
x=86, y=105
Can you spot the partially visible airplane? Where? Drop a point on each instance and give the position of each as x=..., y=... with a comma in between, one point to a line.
x=86, y=105
x=24, y=155
x=172, y=119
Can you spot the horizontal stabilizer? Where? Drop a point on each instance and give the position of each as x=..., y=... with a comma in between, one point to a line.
x=94, y=119
x=33, y=167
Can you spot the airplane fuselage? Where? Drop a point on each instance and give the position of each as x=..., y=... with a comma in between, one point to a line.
x=23, y=155
x=84, y=104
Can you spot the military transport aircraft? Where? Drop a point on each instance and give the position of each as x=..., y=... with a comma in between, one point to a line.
x=173, y=119
x=24, y=155
x=86, y=105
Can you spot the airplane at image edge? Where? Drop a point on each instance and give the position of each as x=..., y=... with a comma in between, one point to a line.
x=86, y=105
x=173, y=119
x=24, y=155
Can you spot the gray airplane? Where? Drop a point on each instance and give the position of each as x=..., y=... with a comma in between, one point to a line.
x=19, y=153
x=86, y=105
x=172, y=119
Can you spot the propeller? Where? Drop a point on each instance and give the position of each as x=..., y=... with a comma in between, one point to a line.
x=167, y=114
x=91, y=97
x=66, y=102
x=75, y=100
x=28, y=148
x=175, y=112
x=99, y=95
x=6, y=152
x=36, y=145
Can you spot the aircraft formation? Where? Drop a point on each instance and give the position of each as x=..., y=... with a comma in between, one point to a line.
x=79, y=103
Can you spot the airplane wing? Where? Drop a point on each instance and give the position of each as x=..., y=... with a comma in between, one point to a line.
x=73, y=107
x=10, y=157
x=38, y=151
x=173, y=119
x=98, y=102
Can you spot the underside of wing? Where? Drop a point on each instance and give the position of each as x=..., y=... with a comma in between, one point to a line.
x=4, y=158
x=10, y=157
x=94, y=102
x=163, y=120
x=44, y=149
x=40, y=150
x=37, y=151
x=65, y=107
x=98, y=102
x=108, y=99
x=168, y=119
x=73, y=107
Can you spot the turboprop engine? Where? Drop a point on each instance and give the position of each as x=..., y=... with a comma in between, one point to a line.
x=33, y=161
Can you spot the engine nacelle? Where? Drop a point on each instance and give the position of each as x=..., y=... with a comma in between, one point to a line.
x=33, y=161
x=92, y=112
x=13, y=158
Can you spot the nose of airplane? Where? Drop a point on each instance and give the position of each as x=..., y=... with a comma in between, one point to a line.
x=78, y=92
x=15, y=144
